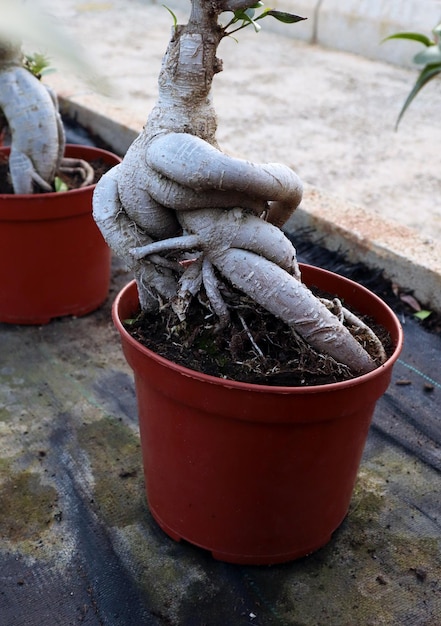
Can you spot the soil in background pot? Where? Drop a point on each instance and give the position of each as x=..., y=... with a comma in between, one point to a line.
x=73, y=181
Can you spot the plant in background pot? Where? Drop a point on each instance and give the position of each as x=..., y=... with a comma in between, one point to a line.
x=251, y=468
x=429, y=58
x=53, y=259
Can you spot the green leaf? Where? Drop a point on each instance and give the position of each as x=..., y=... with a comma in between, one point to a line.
x=175, y=19
x=423, y=314
x=426, y=75
x=130, y=321
x=411, y=37
x=429, y=56
x=38, y=64
x=286, y=18
x=60, y=185
x=248, y=17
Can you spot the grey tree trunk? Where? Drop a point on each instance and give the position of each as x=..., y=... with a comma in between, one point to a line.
x=176, y=192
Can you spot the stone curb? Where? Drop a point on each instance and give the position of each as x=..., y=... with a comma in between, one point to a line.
x=403, y=256
x=406, y=258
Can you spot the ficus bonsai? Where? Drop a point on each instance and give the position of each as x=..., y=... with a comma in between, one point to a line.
x=28, y=108
x=37, y=134
x=185, y=216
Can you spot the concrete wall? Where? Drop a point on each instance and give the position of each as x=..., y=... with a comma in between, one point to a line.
x=356, y=26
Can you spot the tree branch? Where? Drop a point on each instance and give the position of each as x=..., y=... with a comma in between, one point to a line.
x=235, y=5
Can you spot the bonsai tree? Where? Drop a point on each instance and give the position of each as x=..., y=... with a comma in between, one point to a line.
x=185, y=216
x=28, y=108
x=429, y=58
x=37, y=135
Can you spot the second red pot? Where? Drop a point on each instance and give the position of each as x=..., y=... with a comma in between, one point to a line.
x=53, y=258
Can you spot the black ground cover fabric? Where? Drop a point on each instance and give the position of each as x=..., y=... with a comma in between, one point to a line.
x=78, y=544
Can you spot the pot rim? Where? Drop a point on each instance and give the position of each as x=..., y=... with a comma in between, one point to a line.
x=275, y=389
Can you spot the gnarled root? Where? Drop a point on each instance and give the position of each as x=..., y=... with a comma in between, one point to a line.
x=122, y=234
x=291, y=301
x=256, y=258
x=253, y=255
x=193, y=163
x=31, y=111
x=81, y=168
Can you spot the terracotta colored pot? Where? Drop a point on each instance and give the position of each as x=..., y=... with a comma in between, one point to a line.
x=253, y=473
x=53, y=258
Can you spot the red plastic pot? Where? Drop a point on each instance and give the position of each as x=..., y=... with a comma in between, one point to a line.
x=255, y=474
x=53, y=258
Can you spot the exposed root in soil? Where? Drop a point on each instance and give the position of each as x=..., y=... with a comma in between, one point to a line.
x=72, y=180
x=255, y=347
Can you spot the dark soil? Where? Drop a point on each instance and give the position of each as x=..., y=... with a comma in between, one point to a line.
x=255, y=347
x=72, y=181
